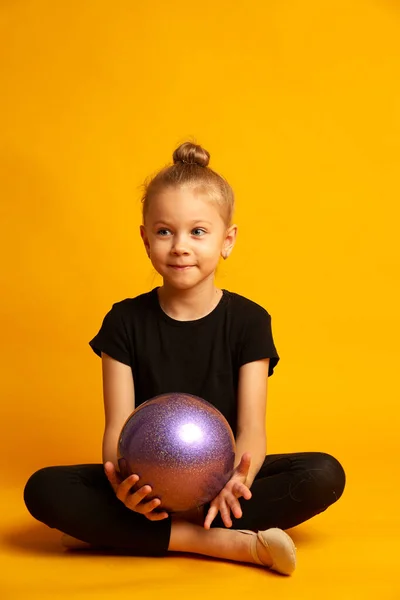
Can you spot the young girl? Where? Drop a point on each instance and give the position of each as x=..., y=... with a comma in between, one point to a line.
x=189, y=336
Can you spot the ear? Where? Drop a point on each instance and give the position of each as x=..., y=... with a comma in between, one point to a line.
x=145, y=239
x=229, y=241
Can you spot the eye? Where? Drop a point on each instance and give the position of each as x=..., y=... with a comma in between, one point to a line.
x=198, y=232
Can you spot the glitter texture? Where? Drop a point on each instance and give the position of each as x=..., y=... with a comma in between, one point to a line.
x=180, y=445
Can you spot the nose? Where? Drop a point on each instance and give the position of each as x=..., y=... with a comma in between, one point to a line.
x=180, y=246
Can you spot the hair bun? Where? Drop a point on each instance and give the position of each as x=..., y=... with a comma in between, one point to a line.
x=191, y=154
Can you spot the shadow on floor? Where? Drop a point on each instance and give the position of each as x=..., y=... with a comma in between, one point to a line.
x=40, y=539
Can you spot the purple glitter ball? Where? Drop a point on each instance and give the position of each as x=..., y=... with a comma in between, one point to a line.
x=180, y=445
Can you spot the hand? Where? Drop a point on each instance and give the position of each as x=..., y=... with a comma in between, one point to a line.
x=133, y=501
x=227, y=498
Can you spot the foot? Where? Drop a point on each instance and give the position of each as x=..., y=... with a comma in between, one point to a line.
x=263, y=553
x=256, y=552
x=274, y=549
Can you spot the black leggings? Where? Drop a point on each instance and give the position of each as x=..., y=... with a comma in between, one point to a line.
x=79, y=500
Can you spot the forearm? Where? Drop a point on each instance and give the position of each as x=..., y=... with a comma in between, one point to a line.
x=257, y=446
x=109, y=446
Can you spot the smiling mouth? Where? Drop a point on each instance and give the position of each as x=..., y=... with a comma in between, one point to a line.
x=181, y=268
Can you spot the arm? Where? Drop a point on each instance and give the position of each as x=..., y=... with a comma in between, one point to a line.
x=251, y=426
x=119, y=403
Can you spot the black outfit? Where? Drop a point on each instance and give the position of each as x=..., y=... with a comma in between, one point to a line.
x=200, y=357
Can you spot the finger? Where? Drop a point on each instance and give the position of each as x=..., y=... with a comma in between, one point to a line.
x=153, y=516
x=151, y=505
x=240, y=489
x=135, y=500
x=212, y=513
x=125, y=486
x=235, y=507
x=110, y=472
x=225, y=514
x=112, y=475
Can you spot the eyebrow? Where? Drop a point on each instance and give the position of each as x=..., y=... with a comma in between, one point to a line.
x=192, y=222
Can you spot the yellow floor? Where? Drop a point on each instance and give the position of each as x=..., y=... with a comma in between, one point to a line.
x=350, y=552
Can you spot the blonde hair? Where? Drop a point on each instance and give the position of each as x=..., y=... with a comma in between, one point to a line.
x=190, y=168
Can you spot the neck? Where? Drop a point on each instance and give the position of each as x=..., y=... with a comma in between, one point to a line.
x=191, y=304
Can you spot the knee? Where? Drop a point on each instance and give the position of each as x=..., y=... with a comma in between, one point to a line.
x=331, y=478
x=37, y=491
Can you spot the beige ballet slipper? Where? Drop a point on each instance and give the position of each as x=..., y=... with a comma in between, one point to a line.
x=280, y=546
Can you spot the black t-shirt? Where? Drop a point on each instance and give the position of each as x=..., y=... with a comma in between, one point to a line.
x=200, y=357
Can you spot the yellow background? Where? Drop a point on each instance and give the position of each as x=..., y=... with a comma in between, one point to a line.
x=298, y=105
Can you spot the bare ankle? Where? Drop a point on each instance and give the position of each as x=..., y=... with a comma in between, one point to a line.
x=227, y=544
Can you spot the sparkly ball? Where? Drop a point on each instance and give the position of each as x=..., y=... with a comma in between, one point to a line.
x=180, y=445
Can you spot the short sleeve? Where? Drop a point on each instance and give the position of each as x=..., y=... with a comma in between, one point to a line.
x=112, y=338
x=257, y=340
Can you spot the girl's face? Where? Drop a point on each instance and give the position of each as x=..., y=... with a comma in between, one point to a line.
x=184, y=235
